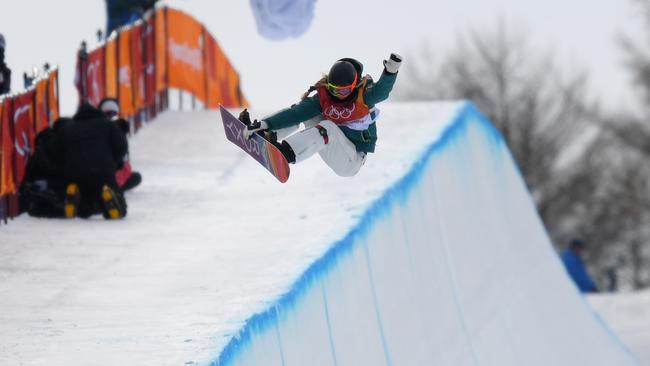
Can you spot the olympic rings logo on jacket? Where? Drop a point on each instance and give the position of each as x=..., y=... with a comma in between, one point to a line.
x=342, y=113
x=335, y=113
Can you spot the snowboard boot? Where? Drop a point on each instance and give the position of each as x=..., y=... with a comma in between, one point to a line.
x=285, y=149
x=114, y=206
x=306, y=143
x=71, y=200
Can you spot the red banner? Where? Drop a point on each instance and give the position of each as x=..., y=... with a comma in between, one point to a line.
x=125, y=73
x=213, y=90
x=95, y=75
x=185, y=38
x=168, y=49
x=161, y=50
x=53, y=95
x=223, y=83
x=233, y=87
x=137, y=65
x=7, y=184
x=42, y=118
x=149, y=40
x=23, y=118
x=223, y=67
x=111, y=67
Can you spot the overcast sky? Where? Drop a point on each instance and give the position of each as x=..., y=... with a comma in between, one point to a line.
x=275, y=73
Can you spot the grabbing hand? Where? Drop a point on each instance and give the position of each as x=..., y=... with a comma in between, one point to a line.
x=256, y=126
x=393, y=63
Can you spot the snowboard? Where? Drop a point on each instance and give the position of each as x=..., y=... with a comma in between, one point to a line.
x=260, y=149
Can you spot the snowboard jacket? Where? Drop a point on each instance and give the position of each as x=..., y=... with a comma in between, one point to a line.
x=578, y=272
x=46, y=163
x=367, y=95
x=90, y=144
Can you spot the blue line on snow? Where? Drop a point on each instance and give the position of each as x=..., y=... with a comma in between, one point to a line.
x=376, y=302
x=329, y=325
x=277, y=333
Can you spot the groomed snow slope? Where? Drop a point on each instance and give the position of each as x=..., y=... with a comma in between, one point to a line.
x=628, y=314
x=433, y=254
x=450, y=266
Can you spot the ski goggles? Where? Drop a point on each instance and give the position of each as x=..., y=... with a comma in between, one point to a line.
x=342, y=91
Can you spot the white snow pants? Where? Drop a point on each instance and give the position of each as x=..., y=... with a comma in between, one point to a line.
x=338, y=153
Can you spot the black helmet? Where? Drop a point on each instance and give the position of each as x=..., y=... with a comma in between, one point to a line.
x=342, y=79
x=342, y=73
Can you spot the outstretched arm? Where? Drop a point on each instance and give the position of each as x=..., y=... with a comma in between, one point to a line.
x=307, y=108
x=380, y=90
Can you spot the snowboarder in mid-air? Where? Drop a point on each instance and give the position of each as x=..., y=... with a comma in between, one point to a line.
x=339, y=118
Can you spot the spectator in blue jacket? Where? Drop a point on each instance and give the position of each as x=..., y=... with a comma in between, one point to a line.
x=575, y=266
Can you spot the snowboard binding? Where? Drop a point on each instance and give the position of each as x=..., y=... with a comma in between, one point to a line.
x=270, y=136
x=245, y=118
x=259, y=146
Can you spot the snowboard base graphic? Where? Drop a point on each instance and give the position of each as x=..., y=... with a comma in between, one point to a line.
x=260, y=149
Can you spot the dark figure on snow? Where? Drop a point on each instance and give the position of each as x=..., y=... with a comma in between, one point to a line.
x=575, y=266
x=42, y=189
x=125, y=176
x=5, y=72
x=92, y=148
x=339, y=119
x=124, y=12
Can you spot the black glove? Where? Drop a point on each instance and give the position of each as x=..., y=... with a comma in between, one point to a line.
x=245, y=117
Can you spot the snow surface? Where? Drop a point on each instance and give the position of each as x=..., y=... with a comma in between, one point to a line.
x=210, y=238
x=451, y=266
x=628, y=314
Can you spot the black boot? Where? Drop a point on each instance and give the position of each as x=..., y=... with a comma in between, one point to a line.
x=72, y=200
x=271, y=136
x=287, y=151
x=132, y=181
x=284, y=147
x=114, y=204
